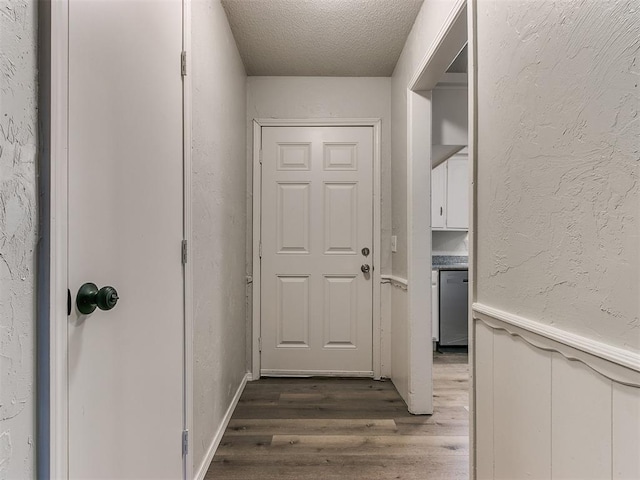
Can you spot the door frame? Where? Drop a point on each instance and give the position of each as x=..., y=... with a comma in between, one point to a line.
x=457, y=29
x=258, y=123
x=52, y=320
x=52, y=398
x=187, y=235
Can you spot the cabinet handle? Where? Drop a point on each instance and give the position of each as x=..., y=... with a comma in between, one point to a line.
x=440, y=211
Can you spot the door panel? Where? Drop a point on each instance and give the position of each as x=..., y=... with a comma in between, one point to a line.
x=341, y=218
x=317, y=215
x=293, y=311
x=293, y=217
x=340, y=312
x=125, y=229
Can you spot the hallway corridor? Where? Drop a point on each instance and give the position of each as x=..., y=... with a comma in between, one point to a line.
x=323, y=428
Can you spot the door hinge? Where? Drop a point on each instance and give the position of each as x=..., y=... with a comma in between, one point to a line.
x=184, y=252
x=183, y=63
x=185, y=442
x=260, y=250
x=259, y=344
x=260, y=156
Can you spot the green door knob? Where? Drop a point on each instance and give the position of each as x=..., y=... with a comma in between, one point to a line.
x=89, y=297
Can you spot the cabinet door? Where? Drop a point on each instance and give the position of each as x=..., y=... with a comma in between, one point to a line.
x=457, y=193
x=438, y=195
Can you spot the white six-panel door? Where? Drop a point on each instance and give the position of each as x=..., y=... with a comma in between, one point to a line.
x=317, y=217
x=125, y=365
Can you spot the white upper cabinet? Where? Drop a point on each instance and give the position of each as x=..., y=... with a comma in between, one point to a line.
x=458, y=193
x=438, y=195
x=450, y=176
x=450, y=194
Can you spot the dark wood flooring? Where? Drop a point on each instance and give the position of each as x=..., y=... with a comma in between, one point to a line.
x=327, y=428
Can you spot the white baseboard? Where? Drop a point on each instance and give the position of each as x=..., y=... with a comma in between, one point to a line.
x=206, y=462
x=316, y=373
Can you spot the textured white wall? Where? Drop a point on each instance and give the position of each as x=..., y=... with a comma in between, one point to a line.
x=219, y=220
x=18, y=224
x=426, y=27
x=558, y=159
x=450, y=243
x=450, y=116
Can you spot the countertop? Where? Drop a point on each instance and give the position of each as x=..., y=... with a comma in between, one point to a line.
x=450, y=262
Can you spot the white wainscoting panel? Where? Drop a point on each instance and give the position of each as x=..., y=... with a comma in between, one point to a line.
x=522, y=406
x=581, y=416
x=400, y=340
x=626, y=432
x=385, y=328
x=484, y=401
x=550, y=405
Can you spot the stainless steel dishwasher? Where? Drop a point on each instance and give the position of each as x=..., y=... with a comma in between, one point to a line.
x=454, y=293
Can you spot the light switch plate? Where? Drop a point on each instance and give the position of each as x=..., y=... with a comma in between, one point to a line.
x=394, y=243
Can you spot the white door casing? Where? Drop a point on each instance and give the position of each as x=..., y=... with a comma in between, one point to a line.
x=317, y=216
x=125, y=366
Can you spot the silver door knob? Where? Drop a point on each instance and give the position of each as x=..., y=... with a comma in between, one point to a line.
x=365, y=268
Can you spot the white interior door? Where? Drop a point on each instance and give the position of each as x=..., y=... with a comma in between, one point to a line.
x=317, y=217
x=125, y=365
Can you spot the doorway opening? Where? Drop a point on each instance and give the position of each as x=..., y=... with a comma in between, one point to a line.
x=438, y=166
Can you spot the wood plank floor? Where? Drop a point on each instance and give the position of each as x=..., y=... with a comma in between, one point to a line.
x=324, y=429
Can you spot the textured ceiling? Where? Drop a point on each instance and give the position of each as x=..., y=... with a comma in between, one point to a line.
x=321, y=37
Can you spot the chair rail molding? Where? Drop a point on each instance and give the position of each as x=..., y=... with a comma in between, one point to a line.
x=617, y=364
x=395, y=281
